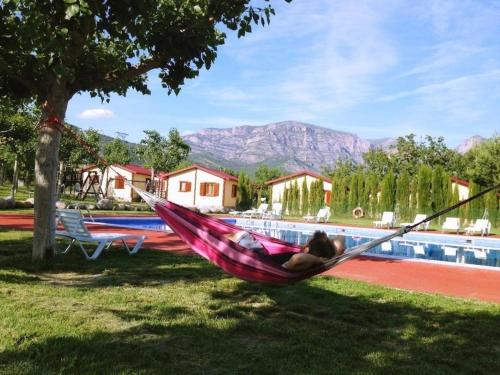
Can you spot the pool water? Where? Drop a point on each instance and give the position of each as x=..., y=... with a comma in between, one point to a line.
x=148, y=223
x=402, y=248
x=423, y=246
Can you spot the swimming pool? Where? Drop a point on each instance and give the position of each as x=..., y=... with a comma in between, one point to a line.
x=461, y=250
x=148, y=223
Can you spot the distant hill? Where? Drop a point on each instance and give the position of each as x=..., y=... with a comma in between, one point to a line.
x=289, y=145
x=469, y=143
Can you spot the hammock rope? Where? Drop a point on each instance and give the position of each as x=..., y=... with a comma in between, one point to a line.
x=206, y=236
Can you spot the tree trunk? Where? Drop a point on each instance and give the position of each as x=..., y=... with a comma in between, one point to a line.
x=46, y=164
x=152, y=182
x=15, y=178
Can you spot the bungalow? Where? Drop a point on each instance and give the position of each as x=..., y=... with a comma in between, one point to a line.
x=113, y=180
x=279, y=184
x=201, y=187
x=462, y=185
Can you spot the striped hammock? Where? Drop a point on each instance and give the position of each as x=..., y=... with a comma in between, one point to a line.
x=206, y=236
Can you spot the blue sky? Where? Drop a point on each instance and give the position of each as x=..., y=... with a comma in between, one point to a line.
x=374, y=68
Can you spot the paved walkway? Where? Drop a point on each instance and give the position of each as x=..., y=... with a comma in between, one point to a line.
x=465, y=282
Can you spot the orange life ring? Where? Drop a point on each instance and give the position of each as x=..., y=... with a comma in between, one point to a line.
x=358, y=213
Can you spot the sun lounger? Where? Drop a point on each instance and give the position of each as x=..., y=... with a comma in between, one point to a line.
x=418, y=219
x=451, y=224
x=387, y=220
x=256, y=212
x=77, y=232
x=322, y=215
x=275, y=213
x=481, y=226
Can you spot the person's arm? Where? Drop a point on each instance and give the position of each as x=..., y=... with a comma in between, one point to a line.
x=302, y=261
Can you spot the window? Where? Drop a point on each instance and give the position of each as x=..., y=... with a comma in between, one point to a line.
x=184, y=186
x=119, y=182
x=234, y=191
x=209, y=189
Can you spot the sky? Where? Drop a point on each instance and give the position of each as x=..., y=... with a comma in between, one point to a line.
x=381, y=68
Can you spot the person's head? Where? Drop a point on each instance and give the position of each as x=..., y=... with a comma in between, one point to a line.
x=320, y=245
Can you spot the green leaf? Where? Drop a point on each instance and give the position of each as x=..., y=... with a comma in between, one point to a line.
x=71, y=11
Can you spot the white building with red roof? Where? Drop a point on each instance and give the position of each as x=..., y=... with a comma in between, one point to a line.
x=279, y=184
x=201, y=187
x=113, y=180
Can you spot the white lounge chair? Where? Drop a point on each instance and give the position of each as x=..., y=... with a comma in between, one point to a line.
x=77, y=232
x=418, y=219
x=275, y=213
x=482, y=226
x=451, y=224
x=322, y=215
x=256, y=212
x=387, y=220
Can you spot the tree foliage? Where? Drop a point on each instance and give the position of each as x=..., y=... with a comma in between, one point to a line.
x=117, y=152
x=483, y=162
x=244, y=192
x=160, y=153
x=51, y=50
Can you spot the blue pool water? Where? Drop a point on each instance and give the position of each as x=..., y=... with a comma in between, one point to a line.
x=149, y=223
x=456, y=249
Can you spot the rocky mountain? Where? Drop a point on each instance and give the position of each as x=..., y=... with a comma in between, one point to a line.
x=289, y=145
x=469, y=143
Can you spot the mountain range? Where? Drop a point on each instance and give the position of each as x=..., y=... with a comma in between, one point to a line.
x=289, y=145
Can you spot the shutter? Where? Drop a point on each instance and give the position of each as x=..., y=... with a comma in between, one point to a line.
x=188, y=186
x=180, y=185
x=216, y=190
x=203, y=189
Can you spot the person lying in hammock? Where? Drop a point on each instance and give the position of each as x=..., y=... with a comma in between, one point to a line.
x=318, y=249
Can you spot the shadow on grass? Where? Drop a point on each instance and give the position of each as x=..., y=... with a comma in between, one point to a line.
x=114, y=267
x=323, y=326
x=301, y=329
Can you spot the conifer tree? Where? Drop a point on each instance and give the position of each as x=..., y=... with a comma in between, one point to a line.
x=491, y=203
x=403, y=195
x=372, y=190
x=353, y=192
x=455, y=199
x=363, y=193
x=475, y=207
x=424, y=188
x=295, y=198
x=304, y=198
x=438, y=196
x=388, y=192
x=284, y=201
x=243, y=197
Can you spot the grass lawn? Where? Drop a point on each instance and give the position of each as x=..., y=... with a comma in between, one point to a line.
x=159, y=313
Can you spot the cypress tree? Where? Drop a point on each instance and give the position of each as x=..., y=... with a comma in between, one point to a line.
x=363, y=193
x=437, y=193
x=403, y=195
x=477, y=205
x=455, y=199
x=284, y=201
x=491, y=203
x=353, y=192
x=388, y=192
x=243, y=197
x=304, y=198
x=372, y=190
x=424, y=188
x=295, y=198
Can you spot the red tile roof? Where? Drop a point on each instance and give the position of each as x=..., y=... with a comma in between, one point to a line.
x=298, y=174
x=459, y=181
x=225, y=176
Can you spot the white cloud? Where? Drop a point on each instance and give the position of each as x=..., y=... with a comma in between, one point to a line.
x=96, y=113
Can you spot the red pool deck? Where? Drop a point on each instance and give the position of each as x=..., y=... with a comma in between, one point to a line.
x=450, y=280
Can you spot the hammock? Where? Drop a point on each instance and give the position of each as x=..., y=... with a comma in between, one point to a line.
x=206, y=236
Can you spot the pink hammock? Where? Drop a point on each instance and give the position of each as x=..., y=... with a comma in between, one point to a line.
x=205, y=235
